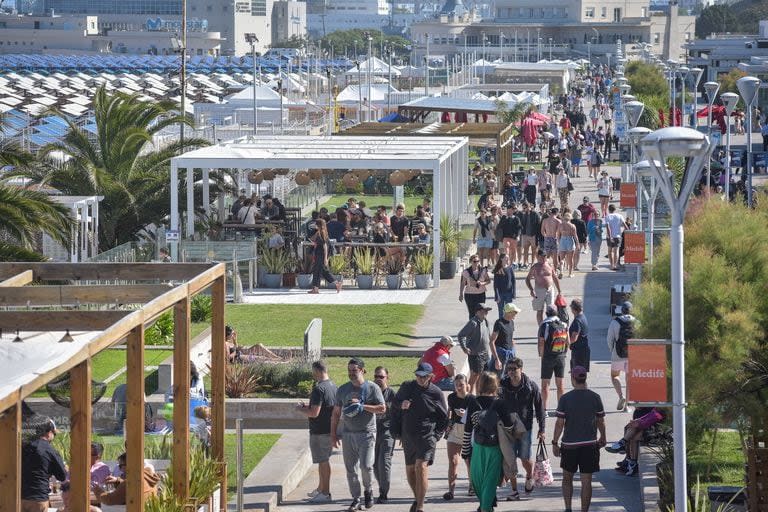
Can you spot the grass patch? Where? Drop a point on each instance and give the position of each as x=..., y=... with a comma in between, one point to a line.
x=151, y=358
x=197, y=327
x=386, y=325
x=728, y=461
x=372, y=201
x=255, y=447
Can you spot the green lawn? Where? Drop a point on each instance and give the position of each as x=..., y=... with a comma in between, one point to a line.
x=151, y=358
x=255, y=447
x=372, y=202
x=197, y=328
x=400, y=368
x=386, y=325
x=728, y=461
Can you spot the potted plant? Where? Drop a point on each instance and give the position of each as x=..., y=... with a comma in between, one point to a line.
x=275, y=262
x=337, y=264
x=394, y=268
x=421, y=266
x=304, y=278
x=364, y=262
x=449, y=244
x=291, y=271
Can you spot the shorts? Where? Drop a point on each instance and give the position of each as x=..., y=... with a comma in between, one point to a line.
x=576, y=161
x=544, y=298
x=419, y=448
x=528, y=241
x=553, y=364
x=456, y=435
x=484, y=243
x=522, y=446
x=495, y=244
x=477, y=362
x=619, y=366
x=580, y=356
x=567, y=244
x=585, y=459
x=549, y=245
x=613, y=242
x=320, y=446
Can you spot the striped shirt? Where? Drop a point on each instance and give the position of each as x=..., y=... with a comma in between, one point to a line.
x=580, y=408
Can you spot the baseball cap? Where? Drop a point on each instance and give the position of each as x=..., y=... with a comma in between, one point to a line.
x=482, y=305
x=447, y=340
x=626, y=307
x=423, y=369
x=511, y=307
x=579, y=372
x=586, y=199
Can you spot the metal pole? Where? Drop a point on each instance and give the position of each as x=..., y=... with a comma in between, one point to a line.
x=748, y=168
x=426, y=69
x=483, y=58
x=673, y=121
x=389, y=72
x=239, y=462
x=709, y=134
x=682, y=101
x=652, y=217
x=183, y=73
x=727, y=157
x=678, y=361
x=369, y=75
x=255, y=106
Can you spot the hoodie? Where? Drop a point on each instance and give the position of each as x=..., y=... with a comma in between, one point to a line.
x=39, y=461
x=118, y=496
x=525, y=400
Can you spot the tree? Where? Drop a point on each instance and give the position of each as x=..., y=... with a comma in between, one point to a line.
x=646, y=79
x=513, y=114
x=121, y=164
x=345, y=40
x=293, y=42
x=716, y=19
x=728, y=81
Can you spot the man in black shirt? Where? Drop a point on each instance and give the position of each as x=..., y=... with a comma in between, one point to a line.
x=530, y=222
x=319, y=410
x=578, y=334
x=502, y=338
x=399, y=224
x=511, y=227
x=423, y=414
x=40, y=461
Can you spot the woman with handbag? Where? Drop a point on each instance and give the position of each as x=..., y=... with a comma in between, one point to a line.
x=454, y=435
x=320, y=258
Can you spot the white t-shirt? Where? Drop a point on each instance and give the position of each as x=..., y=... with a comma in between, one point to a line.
x=615, y=223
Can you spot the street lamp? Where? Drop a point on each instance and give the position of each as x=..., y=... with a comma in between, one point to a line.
x=695, y=148
x=683, y=72
x=650, y=192
x=369, y=73
x=695, y=74
x=711, y=89
x=624, y=88
x=748, y=87
x=633, y=110
x=280, y=91
x=729, y=100
x=483, y=35
x=550, y=49
x=251, y=39
x=328, y=74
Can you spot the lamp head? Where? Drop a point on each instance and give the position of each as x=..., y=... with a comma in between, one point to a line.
x=674, y=141
x=644, y=169
x=748, y=87
x=621, y=80
x=730, y=100
x=695, y=74
x=634, y=110
x=683, y=71
x=624, y=88
x=711, y=89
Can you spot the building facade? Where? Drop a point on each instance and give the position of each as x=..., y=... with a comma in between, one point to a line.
x=718, y=54
x=289, y=19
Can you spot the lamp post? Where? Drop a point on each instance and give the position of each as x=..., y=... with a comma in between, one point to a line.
x=729, y=100
x=695, y=74
x=696, y=148
x=589, y=52
x=643, y=170
x=251, y=39
x=483, y=34
x=633, y=110
x=280, y=91
x=328, y=74
x=550, y=49
x=683, y=72
x=748, y=87
x=388, y=50
x=369, y=74
x=426, y=69
x=711, y=89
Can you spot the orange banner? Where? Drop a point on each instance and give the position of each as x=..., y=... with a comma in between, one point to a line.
x=628, y=195
x=647, y=373
x=634, y=247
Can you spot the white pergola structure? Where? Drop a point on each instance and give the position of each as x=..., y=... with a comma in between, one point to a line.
x=446, y=158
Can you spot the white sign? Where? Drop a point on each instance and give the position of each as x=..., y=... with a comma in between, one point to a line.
x=172, y=235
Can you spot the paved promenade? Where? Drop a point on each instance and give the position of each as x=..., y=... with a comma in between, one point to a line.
x=445, y=315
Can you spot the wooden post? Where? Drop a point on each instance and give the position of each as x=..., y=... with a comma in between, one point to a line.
x=10, y=462
x=80, y=449
x=181, y=382
x=134, y=428
x=218, y=367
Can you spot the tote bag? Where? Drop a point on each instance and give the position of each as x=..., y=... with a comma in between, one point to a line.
x=542, y=470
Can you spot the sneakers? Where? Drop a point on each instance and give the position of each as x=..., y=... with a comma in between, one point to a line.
x=631, y=468
x=513, y=496
x=622, y=405
x=617, y=447
x=355, y=505
x=529, y=484
x=320, y=498
x=471, y=491
x=368, y=497
x=314, y=492
x=382, y=499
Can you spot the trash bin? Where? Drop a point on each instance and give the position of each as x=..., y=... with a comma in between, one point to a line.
x=732, y=498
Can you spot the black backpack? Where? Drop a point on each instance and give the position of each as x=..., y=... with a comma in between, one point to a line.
x=556, y=343
x=485, y=427
x=626, y=332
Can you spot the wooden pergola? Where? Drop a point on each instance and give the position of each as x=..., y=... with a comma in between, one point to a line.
x=498, y=135
x=60, y=297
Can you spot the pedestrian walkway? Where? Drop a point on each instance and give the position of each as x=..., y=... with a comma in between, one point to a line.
x=446, y=315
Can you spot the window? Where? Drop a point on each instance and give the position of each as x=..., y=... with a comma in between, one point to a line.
x=589, y=12
x=617, y=14
x=603, y=12
x=657, y=38
x=258, y=7
x=644, y=12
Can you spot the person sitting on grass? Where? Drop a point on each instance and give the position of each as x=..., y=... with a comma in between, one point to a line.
x=642, y=419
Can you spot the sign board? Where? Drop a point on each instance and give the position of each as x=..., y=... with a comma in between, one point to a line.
x=313, y=340
x=634, y=247
x=172, y=235
x=628, y=195
x=647, y=373
x=715, y=137
x=621, y=129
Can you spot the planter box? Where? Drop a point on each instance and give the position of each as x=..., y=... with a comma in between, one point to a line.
x=365, y=282
x=272, y=280
x=394, y=281
x=423, y=281
x=304, y=281
x=289, y=279
x=448, y=269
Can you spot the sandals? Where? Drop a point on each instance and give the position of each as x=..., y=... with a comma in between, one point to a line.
x=448, y=496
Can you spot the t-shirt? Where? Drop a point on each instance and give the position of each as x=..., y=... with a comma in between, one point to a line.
x=580, y=408
x=324, y=395
x=399, y=225
x=506, y=331
x=580, y=326
x=383, y=421
x=616, y=224
x=428, y=412
x=455, y=403
x=364, y=421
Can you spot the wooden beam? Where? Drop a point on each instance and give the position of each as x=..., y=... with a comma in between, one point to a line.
x=19, y=279
x=134, y=428
x=10, y=462
x=106, y=271
x=80, y=448
x=181, y=385
x=74, y=320
x=218, y=367
x=76, y=295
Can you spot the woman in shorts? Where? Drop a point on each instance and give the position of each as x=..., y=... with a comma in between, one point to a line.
x=567, y=243
x=457, y=405
x=486, y=228
x=604, y=191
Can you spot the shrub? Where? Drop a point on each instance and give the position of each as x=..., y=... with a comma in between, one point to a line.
x=240, y=380
x=200, y=310
x=160, y=332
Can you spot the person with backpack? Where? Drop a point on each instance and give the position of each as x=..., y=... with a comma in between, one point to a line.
x=553, y=347
x=620, y=330
x=481, y=438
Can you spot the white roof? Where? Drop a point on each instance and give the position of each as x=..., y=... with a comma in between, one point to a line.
x=351, y=94
x=263, y=93
x=377, y=66
x=450, y=103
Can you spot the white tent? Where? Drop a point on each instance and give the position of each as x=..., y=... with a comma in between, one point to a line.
x=352, y=93
x=375, y=65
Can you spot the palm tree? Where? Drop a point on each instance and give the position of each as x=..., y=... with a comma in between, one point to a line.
x=513, y=114
x=122, y=163
x=23, y=215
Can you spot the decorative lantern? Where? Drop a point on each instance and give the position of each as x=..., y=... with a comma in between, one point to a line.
x=269, y=175
x=282, y=171
x=363, y=174
x=315, y=174
x=397, y=179
x=255, y=177
x=302, y=178
x=350, y=180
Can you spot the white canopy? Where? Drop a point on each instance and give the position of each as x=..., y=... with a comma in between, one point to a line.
x=375, y=65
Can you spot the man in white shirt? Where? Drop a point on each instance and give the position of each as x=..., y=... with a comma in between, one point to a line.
x=616, y=223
